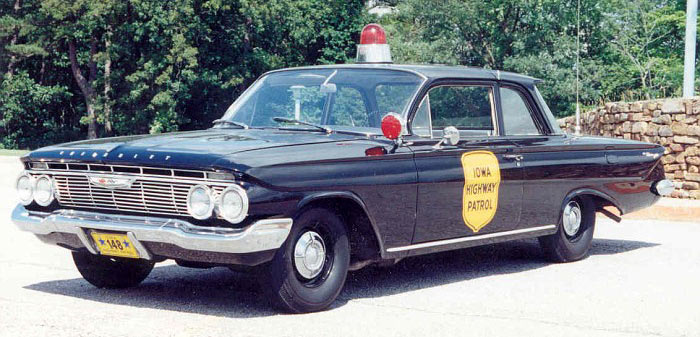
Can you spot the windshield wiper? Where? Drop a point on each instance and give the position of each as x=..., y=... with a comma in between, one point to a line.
x=228, y=122
x=296, y=121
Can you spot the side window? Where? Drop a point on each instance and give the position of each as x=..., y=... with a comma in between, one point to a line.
x=421, y=121
x=349, y=108
x=468, y=108
x=517, y=119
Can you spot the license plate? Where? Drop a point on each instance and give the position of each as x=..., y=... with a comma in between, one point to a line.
x=114, y=245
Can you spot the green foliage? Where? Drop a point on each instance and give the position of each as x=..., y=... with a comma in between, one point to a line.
x=462, y=107
x=628, y=49
x=31, y=114
x=349, y=108
x=177, y=65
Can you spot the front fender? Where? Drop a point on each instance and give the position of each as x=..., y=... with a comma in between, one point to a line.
x=346, y=196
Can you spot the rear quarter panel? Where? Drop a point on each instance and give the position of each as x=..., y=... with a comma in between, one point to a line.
x=560, y=166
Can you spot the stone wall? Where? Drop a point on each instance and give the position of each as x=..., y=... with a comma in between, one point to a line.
x=672, y=123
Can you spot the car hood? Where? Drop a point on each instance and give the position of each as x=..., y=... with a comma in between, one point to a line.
x=196, y=149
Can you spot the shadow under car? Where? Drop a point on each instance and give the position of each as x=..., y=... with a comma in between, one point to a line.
x=221, y=292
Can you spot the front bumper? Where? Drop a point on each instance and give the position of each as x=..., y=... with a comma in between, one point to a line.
x=150, y=234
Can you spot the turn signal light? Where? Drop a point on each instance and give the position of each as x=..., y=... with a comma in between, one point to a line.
x=375, y=151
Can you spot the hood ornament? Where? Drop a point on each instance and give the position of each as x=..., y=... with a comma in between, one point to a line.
x=110, y=182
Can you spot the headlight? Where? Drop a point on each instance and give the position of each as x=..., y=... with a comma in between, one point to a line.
x=25, y=188
x=200, y=203
x=43, y=191
x=233, y=204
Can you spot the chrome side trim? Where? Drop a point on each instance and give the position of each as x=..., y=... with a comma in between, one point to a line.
x=469, y=238
x=262, y=235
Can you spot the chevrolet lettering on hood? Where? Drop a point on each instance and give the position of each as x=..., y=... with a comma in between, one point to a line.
x=316, y=171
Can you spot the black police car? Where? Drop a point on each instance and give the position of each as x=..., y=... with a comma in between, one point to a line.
x=316, y=171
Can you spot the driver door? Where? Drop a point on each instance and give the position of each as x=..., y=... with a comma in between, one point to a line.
x=474, y=187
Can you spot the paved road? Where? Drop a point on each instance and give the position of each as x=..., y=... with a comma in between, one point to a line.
x=642, y=278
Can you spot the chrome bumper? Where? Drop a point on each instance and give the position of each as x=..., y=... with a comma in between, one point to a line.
x=263, y=235
x=663, y=187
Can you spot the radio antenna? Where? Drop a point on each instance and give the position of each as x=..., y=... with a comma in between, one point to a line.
x=578, y=53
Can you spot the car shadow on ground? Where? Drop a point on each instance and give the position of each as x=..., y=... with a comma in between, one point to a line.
x=221, y=292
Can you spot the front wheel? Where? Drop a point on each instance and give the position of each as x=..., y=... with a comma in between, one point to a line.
x=573, y=239
x=309, y=270
x=111, y=272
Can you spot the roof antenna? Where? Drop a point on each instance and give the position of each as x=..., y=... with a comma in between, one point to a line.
x=577, y=131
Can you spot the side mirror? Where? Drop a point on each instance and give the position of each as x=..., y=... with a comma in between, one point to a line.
x=450, y=136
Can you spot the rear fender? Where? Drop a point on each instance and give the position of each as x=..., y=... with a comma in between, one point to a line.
x=603, y=200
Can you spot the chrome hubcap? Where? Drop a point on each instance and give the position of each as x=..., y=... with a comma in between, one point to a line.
x=571, y=218
x=309, y=255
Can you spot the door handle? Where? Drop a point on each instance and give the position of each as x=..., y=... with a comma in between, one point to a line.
x=516, y=157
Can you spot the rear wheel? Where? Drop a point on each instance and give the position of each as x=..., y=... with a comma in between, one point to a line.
x=111, y=272
x=573, y=239
x=309, y=270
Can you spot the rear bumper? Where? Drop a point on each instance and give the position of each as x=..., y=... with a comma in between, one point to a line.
x=209, y=244
x=663, y=187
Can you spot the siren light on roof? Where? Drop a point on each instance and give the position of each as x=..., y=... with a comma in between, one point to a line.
x=373, y=47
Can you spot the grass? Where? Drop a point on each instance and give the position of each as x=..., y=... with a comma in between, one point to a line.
x=12, y=152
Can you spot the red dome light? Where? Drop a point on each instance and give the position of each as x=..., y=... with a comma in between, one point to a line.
x=373, y=34
x=392, y=126
x=373, y=47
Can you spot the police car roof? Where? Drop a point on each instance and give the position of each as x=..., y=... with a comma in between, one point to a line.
x=434, y=71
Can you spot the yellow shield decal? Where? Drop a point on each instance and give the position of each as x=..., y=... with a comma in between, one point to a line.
x=482, y=177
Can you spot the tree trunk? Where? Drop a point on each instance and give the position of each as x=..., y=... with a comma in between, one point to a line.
x=86, y=85
x=13, y=41
x=108, y=83
x=42, y=71
x=645, y=87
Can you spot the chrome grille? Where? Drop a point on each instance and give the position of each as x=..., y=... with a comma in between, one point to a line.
x=147, y=194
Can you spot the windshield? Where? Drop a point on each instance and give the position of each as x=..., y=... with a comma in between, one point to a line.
x=356, y=98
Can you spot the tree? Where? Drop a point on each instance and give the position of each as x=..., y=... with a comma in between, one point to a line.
x=79, y=25
x=638, y=30
x=77, y=68
x=31, y=114
x=627, y=49
x=640, y=27
x=17, y=29
x=143, y=66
